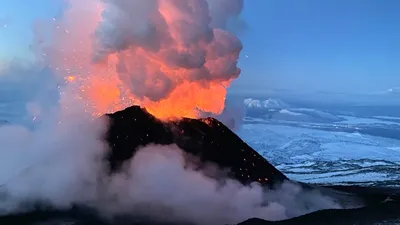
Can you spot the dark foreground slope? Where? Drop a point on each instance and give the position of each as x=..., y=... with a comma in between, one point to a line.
x=213, y=142
x=387, y=213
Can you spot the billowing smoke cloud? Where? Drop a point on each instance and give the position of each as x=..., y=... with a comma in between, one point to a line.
x=176, y=58
x=53, y=162
x=233, y=113
x=175, y=64
x=26, y=90
x=160, y=185
x=175, y=34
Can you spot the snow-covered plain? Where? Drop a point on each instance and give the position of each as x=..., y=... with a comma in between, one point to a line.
x=338, y=152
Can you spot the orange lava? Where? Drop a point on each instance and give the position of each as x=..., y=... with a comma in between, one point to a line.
x=187, y=99
x=101, y=87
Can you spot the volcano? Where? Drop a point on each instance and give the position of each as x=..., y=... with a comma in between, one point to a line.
x=211, y=142
x=207, y=139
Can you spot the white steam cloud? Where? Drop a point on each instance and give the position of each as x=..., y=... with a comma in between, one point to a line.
x=159, y=183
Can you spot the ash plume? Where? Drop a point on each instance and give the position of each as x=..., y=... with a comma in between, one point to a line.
x=165, y=48
x=174, y=57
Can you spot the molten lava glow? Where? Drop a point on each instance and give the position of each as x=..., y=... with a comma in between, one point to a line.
x=170, y=61
x=187, y=98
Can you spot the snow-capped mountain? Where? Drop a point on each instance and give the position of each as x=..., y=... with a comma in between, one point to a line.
x=265, y=104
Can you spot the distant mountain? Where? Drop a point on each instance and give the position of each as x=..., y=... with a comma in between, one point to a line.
x=305, y=116
x=265, y=104
x=317, y=114
x=276, y=109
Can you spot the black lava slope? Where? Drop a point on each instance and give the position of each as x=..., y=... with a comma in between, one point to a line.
x=207, y=138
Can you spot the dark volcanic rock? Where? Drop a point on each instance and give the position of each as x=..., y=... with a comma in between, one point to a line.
x=384, y=213
x=207, y=138
x=74, y=216
x=47, y=215
x=370, y=195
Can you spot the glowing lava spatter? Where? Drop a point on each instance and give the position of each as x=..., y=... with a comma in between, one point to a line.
x=164, y=55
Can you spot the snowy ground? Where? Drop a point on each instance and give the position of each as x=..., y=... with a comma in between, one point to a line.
x=376, y=120
x=323, y=156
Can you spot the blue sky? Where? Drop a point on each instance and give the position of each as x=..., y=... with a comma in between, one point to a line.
x=326, y=45
x=313, y=45
x=19, y=16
